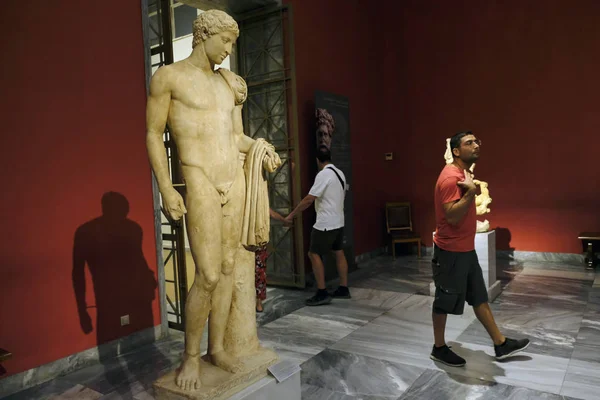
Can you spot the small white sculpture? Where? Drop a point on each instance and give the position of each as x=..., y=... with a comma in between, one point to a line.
x=482, y=200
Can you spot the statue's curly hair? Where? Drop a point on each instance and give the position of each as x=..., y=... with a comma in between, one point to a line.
x=212, y=22
x=324, y=118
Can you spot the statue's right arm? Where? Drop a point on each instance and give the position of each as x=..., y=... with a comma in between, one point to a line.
x=157, y=110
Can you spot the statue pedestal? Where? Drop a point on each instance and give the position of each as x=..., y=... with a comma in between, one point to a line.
x=286, y=385
x=485, y=247
x=218, y=384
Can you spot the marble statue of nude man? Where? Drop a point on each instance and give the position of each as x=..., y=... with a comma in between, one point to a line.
x=203, y=109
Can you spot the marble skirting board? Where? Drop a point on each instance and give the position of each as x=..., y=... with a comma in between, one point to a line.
x=567, y=258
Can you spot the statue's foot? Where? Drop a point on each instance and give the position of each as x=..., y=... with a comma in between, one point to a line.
x=188, y=377
x=226, y=362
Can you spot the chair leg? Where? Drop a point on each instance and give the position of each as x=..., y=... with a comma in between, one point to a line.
x=419, y=249
x=393, y=250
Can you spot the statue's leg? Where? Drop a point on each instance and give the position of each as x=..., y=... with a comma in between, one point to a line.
x=204, y=222
x=231, y=238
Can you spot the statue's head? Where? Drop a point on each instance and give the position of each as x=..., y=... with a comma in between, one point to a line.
x=325, y=128
x=466, y=146
x=217, y=32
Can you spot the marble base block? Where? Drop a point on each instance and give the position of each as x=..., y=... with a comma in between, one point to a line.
x=270, y=389
x=485, y=247
x=218, y=384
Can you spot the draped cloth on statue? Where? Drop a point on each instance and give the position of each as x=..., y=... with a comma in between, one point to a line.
x=256, y=224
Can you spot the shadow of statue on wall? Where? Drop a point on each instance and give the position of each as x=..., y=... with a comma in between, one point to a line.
x=124, y=285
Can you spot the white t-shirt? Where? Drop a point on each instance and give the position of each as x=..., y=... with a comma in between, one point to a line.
x=329, y=202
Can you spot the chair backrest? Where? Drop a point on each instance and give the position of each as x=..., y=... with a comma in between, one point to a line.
x=398, y=216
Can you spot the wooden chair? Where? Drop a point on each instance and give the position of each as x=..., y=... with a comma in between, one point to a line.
x=591, y=244
x=399, y=225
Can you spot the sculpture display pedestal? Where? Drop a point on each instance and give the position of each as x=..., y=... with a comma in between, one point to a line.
x=218, y=384
x=284, y=384
x=485, y=247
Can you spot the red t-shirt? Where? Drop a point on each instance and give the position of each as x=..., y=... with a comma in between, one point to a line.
x=461, y=237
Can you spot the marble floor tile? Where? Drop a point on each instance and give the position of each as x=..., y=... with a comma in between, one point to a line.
x=394, y=284
x=533, y=371
x=417, y=308
x=589, y=333
x=145, y=395
x=534, y=312
x=281, y=302
x=408, y=344
x=586, y=353
x=542, y=341
x=299, y=337
x=582, y=380
x=376, y=298
x=364, y=306
x=437, y=385
x=404, y=333
x=79, y=392
x=130, y=390
x=310, y=392
x=564, y=273
x=550, y=287
x=593, y=304
x=357, y=375
x=43, y=391
x=594, y=299
x=557, y=301
x=398, y=276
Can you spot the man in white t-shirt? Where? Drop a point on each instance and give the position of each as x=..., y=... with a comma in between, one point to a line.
x=327, y=235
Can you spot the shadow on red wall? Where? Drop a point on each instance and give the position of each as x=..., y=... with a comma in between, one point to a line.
x=123, y=283
x=503, y=238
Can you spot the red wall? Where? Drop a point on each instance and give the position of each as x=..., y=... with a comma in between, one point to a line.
x=522, y=76
x=72, y=109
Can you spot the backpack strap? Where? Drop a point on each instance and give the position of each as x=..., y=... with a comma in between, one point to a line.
x=338, y=176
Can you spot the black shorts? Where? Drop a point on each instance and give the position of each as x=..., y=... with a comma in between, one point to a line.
x=458, y=278
x=322, y=242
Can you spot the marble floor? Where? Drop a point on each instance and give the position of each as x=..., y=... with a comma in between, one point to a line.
x=376, y=345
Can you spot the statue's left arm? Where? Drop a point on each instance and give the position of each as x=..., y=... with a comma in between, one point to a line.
x=244, y=141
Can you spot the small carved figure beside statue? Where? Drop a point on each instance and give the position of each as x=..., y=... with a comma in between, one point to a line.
x=482, y=200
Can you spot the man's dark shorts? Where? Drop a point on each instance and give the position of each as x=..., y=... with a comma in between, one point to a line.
x=458, y=278
x=322, y=242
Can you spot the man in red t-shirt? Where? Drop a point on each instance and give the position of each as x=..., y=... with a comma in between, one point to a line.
x=456, y=271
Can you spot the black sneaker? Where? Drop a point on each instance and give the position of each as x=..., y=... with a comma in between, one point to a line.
x=319, y=299
x=342, y=292
x=446, y=356
x=510, y=347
